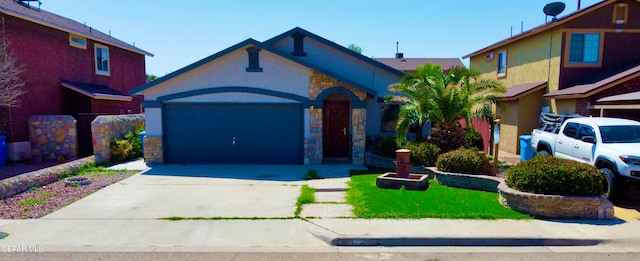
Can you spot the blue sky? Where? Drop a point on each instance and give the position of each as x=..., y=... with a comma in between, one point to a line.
x=181, y=32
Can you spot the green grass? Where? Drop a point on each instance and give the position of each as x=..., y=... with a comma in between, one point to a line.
x=307, y=196
x=437, y=201
x=32, y=201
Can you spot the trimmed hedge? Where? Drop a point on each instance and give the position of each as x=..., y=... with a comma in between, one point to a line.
x=423, y=153
x=467, y=161
x=473, y=139
x=387, y=147
x=554, y=176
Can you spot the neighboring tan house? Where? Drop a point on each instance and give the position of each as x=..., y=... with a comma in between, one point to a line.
x=70, y=69
x=565, y=66
x=297, y=98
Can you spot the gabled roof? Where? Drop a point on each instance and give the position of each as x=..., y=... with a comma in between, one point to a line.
x=242, y=44
x=541, y=28
x=42, y=17
x=519, y=90
x=627, y=97
x=597, y=84
x=410, y=64
x=336, y=46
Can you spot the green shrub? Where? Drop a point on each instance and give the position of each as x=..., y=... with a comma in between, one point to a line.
x=121, y=150
x=473, y=139
x=469, y=161
x=447, y=137
x=423, y=153
x=553, y=176
x=134, y=139
x=387, y=147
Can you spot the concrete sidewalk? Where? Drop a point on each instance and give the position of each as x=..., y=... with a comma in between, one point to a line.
x=251, y=209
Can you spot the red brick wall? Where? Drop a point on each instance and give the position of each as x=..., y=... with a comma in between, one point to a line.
x=48, y=58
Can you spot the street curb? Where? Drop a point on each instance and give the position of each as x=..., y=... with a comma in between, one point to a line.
x=334, y=239
x=459, y=241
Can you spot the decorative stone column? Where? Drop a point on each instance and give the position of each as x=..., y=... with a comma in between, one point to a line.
x=313, y=144
x=153, y=150
x=358, y=139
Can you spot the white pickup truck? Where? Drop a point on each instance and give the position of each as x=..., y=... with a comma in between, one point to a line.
x=610, y=144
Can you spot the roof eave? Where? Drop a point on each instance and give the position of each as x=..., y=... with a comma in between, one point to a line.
x=335, y=45
x=30, y=19
x=539, y=29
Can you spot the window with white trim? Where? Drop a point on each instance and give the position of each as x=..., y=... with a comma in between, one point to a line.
x=102, y=59
x=77, y=41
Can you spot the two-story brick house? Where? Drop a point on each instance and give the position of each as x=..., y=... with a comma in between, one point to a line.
x=565, y=66
x=70, y=69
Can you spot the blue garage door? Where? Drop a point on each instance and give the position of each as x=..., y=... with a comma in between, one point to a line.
x=203, y=133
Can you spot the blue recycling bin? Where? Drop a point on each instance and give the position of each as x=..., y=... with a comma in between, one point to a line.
x=3, y=151
x=142, y=134
x=526, y=151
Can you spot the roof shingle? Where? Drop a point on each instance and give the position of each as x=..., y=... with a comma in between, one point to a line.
x=410, y=64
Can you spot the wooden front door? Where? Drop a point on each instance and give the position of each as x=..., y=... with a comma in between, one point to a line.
x=335, y=129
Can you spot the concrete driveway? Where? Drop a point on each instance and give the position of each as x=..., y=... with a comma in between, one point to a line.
x=245, y=191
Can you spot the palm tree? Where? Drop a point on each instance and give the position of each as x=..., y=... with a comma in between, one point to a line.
x=414, y=95
x=444, y=99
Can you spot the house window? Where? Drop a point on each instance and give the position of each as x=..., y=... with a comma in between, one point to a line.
x=502, y=63
x=254, y=59
x=620, y=14
x=389, y=117
x=489, y=57
x=584, y=48
x=102, y=59
x=77, y=41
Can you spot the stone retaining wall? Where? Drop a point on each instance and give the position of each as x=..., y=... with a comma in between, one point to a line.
x=374, y=160
x=107, y=128
x=467, y=181
x=18, y=184
x=53, y=138
x=554, y=206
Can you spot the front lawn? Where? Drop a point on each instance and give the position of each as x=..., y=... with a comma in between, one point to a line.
x=437, y=201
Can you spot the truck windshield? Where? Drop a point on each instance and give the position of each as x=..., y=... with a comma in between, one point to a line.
x=620, y=134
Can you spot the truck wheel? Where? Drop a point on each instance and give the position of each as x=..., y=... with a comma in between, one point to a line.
x=613, y=184
x=543, y=153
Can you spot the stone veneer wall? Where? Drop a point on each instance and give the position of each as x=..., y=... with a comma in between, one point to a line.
x=53, y=138
x=555, y=206
x=107, y=128
x=358, y=139
x=18, y=184
x=467, y=181
x=153, y=150
x=313, y=144
x=374, y=160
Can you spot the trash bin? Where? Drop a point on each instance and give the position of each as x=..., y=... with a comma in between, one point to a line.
x=526, y=151
x=3, y=151
x=142, y=134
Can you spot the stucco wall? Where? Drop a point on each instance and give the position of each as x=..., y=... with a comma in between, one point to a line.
x=527, y=61
x=279, y=74
x=335, y=61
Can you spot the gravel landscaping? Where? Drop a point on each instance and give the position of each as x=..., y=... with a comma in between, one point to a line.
x=38, y=202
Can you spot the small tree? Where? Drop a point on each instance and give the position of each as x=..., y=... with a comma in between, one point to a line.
x=355, y=48
x=11, y=85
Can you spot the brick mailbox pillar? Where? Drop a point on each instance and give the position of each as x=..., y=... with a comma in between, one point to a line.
x=402, y=163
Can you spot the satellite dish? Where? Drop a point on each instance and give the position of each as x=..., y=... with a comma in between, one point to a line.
x=554, y=9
